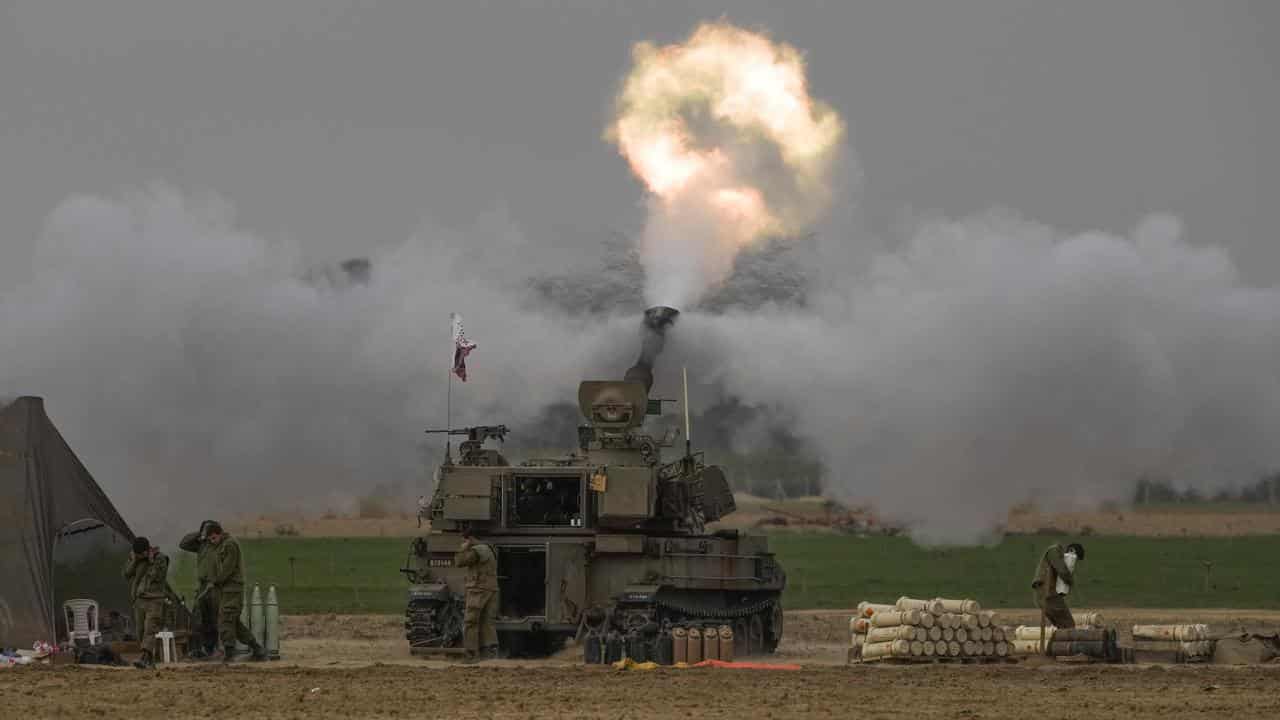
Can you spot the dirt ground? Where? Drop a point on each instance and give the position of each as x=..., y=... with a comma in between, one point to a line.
x=358, y=667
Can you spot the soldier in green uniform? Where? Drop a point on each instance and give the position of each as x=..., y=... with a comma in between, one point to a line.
x=204, y=633
x=1054, y=577
x=227, y=581
x=147, y=571
x=480, y=633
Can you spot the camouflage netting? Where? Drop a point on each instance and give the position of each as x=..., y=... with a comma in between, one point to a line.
x=60, y=536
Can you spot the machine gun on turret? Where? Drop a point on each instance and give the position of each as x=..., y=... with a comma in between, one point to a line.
x=471, y=451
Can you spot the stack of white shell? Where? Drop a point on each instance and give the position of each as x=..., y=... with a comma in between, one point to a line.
x=1189, y=643
x=919, y=629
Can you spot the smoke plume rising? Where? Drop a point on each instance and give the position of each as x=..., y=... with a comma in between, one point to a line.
x=724, y=134
x=201, y=370
x=993, y=361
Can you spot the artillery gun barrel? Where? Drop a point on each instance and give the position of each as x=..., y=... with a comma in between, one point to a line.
x=656, y=321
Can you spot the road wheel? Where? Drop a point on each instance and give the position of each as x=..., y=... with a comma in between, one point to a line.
x=755, y=634
x=773, y=634
x=741, y=644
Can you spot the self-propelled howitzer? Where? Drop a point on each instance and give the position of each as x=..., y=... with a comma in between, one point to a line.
x=608, y=539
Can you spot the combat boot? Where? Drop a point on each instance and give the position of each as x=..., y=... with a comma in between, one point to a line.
x=145, y=662
x=197, y=654
x=490, y=653
x=257, y=653
x=470, y=658
x=228, y=654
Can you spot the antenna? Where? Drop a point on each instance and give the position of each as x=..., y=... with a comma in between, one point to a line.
x=688, y=436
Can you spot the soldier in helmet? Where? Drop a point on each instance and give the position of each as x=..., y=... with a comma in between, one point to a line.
x=204, y=630
x=480, y=633
x=228, y=582
x=147, y=571
x=1055, y=574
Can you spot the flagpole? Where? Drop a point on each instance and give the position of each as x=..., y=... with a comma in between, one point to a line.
x=448, y=398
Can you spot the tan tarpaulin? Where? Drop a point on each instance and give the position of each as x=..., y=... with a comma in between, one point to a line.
x=47, y=496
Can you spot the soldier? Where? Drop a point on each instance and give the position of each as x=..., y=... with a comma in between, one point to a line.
x=205, y=621
x=480, y=634
x=147, y=571
x=1053, y=580
x=227, y=581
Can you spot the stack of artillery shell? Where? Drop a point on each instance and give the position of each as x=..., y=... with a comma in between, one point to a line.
x=1065, y=642
x=921, y=630
x=1172, y=643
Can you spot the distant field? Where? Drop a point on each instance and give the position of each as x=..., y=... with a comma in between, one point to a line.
x=360, y=575
x=1186, y=519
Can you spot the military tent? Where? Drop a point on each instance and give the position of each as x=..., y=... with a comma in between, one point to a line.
x=60, y=536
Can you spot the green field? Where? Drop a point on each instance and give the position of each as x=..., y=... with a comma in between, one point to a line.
x=360, y=575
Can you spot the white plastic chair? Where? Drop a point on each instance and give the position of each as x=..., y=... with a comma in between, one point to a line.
x=168, y=650
x=82, y=621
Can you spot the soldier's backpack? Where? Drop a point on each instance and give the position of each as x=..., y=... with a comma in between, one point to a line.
x=98, y=655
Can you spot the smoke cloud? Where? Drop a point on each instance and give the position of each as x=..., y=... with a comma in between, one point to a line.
x=993, y=361
x=200, y=370
x=723, y=133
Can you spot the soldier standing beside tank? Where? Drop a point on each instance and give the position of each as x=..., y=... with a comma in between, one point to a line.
x=147, y=571
x=1054, y=577
x=480, y=633
x=205, y=610
x=228, y=582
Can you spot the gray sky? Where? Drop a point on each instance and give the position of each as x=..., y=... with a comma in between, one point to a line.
x=342, y=124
